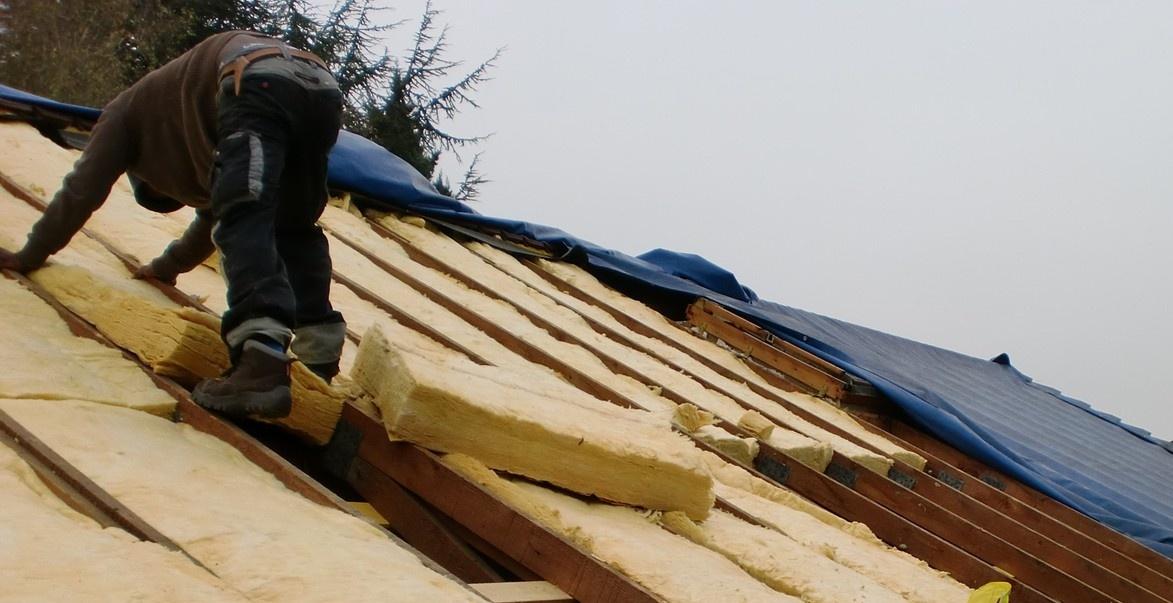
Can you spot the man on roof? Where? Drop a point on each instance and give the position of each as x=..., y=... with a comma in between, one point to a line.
x=239, y=127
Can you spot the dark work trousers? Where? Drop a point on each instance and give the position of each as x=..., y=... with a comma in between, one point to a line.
x=268, y=191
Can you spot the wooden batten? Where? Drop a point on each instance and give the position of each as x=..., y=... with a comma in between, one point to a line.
x=976, y=471
x=74, y=488
x=187, y=411
x=417, y=524
x=1027, y=545
x=821, y=377
x=1043, y=536
x=1049, y=524
x=39, y=204
x=909, y=505
x=885, y=523
x=548, y=555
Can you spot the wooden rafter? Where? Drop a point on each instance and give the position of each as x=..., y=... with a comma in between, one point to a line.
x=1008, y=528
x=976, y=471
x=189, y=412
x=910, y=506
x=547, y=554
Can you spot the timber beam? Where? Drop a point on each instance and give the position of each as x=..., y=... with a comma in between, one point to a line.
x=973, y=470
x=547, y=554
x=187, y=411
x=1020, y=541
x=909, y=505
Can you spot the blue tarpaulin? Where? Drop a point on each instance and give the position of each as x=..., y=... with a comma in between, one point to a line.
x=1088, y=459
x=24, y=98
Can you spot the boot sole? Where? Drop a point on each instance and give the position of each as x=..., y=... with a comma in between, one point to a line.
x=271, y=404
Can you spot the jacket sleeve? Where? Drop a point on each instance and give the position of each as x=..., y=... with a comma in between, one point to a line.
x=190, y=249
x=83, y=191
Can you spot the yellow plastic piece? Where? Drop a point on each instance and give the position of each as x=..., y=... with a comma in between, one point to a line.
x=992, y=592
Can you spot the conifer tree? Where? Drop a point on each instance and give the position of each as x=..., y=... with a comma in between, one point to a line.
x=402, y=103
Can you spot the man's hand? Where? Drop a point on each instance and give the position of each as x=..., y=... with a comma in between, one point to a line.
x=9, y=261
x=149, y=272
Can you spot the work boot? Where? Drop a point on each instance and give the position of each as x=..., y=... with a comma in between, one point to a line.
x=258, y=384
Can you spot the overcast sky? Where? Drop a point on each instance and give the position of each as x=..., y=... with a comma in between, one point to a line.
x=986, y=177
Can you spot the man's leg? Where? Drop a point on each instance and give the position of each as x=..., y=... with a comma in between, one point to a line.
x=254, y=130
x=320, y=331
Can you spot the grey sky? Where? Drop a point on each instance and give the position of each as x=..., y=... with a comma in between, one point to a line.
x=987, y=177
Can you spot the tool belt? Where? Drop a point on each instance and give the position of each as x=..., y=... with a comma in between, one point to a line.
x=236, y=66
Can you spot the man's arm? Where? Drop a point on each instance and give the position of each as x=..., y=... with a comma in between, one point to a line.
x=83, y=191
x=184, y=253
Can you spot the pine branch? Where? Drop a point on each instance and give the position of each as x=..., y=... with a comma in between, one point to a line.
x=470, y=187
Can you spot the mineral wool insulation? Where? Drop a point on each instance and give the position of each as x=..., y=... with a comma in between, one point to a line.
x=897, y=571
x=174, y=341
x=506, y=277
x=36, y=338
x=453, y=405
x=39, y=165
x=260, y=538
x=628, y=540
x=655, y=321
x=779, y=561
x=503, y=275
x=99, y=564
x=364, y=312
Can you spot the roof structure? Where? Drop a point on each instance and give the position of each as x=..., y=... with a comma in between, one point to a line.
x=551, y=438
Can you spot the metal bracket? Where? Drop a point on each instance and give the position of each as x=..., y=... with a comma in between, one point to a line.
x=953, y=481
x=772, y=469
x=902, y=478
x=993, y=480
x=841, y=474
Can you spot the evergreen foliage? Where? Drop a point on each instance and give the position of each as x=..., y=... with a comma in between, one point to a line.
x=86, y=52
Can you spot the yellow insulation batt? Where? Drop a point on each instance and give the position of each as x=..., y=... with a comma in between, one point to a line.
x=490, y=310
x=518, y=285
x=816, y=456
x=181, y=343
x=742, y=450
x=898, y=571
x=700, y=424
x=736, y=477
x=17, y=218
x=803, y=448
x=37, y=164
x=43, y=359
x=591, y=447
x=533, y=378
x=628, y=540
x=176, y=342
x=655, y=321
x=49, y=552
x=778, y=561
x=257, y=536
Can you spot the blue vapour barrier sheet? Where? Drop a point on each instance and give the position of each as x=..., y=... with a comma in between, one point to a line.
x=1090, y=460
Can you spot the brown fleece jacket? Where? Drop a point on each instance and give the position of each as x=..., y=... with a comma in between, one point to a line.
x=162, y=130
